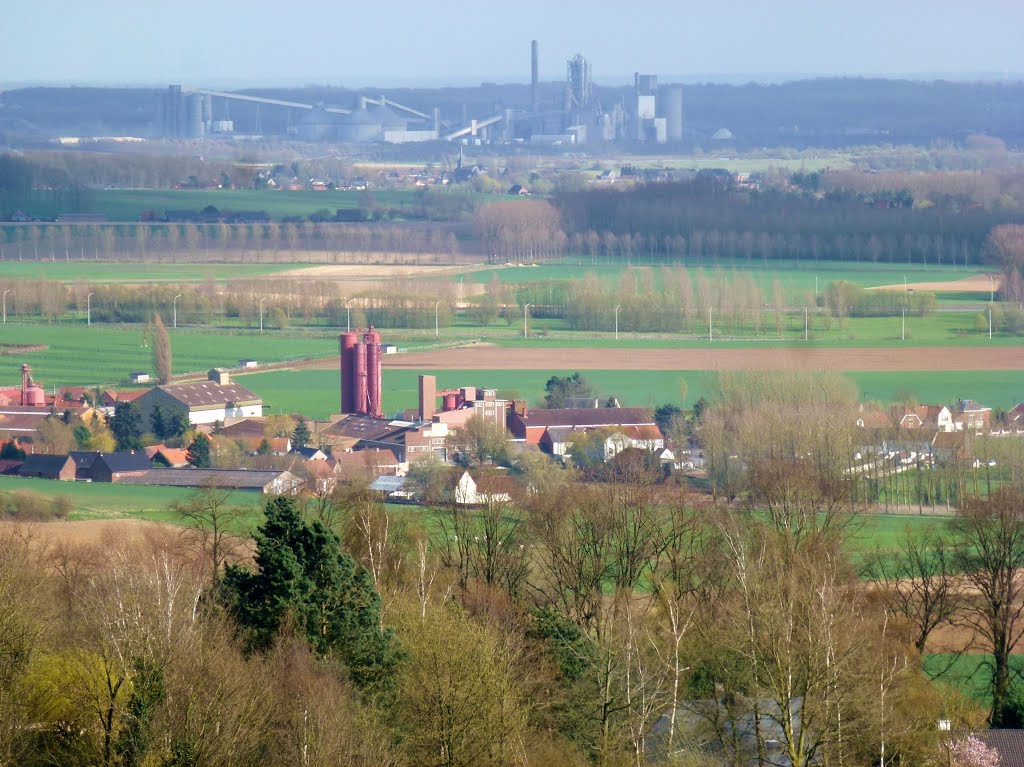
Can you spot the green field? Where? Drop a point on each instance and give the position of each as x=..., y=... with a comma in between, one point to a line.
x=106, y=272
x=971, y=674
x=94, y=500
x=87, y=356
x=130, y=204
x=795, y=276
x=315, y=393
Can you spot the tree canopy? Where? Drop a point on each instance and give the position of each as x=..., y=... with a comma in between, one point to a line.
x=304, y=580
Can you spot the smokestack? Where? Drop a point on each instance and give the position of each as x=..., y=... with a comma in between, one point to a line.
x=534, y=73
x=428, y=397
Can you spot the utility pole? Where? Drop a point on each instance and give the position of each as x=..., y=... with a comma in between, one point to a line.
x=88, y=309
x=261, y=312
x=174, y=307
x=525, y=308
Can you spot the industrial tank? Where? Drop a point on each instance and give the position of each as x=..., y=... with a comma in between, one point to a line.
x=195, y=116
x=317, y=125
x=347, y=343
x=361, y=401
x=674, y=113
x=374, y=388
x=35, y=397
x=360, y=126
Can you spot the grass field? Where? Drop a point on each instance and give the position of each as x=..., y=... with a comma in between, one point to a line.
x=106, y=272
x=94, y=500
x=130, y=204
x=315, y=393
x=87, y=356
x=971, y=674
x=795, y=276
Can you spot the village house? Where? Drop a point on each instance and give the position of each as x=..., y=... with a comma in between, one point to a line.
x=530, y=425
x=971, y=416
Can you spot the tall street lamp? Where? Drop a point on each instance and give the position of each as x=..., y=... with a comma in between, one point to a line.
x=88, y=309
x=617, y=307
x=174, y=305
x=525, y=309
x=435, y=317
x=5, y=305
x=348, y=316
x=261, y=312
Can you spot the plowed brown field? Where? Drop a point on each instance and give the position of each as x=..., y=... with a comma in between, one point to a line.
x=872, y=358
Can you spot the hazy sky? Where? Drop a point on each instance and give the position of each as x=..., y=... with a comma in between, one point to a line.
x=394, y=42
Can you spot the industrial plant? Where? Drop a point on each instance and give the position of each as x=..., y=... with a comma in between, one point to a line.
x=649, y=114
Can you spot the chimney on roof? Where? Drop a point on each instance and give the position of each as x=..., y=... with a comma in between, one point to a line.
x=220, y=376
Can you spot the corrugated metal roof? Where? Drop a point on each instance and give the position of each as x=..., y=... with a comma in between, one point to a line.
x=387, y=484
x=239, y=479
x=598, y=416
x=210, y=394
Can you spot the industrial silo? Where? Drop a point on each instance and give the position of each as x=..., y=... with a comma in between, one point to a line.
x=195, y=116
x=348, y=343
x=674, y=113
x=360, y=126
x=317, y=125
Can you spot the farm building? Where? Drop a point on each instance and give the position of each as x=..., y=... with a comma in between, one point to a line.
x=139, y=377
x=557, y=440
x=205, y=402
x=17, y=421
x=109, y=467
x=42, y=466
x=265, y=482
x=530, y=425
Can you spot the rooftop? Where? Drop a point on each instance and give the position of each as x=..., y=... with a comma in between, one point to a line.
x=598, y=416
x=210, y=394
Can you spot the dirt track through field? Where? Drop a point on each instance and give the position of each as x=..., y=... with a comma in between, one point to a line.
x=978, y=283
x=806, y=358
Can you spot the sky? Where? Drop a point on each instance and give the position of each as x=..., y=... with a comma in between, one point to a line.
x=221, y=43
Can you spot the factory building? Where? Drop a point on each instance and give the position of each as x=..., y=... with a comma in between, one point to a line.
x=361, y=382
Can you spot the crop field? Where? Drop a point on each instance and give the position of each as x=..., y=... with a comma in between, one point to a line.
x=315, y=393
x=795, y=276
x=85, y=356
x=130, y=204
x=104, y=271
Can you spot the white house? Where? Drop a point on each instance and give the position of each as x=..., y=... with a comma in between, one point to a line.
x=215, y=399
x=465, y=492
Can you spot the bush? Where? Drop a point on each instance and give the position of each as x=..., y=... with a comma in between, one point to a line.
x=27, y=507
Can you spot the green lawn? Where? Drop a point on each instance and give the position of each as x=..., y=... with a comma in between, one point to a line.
x=104, y=271
x=102, y=354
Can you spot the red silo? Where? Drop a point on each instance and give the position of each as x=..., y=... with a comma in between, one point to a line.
x=347, y=343
x=359, y=376
x=374, y=387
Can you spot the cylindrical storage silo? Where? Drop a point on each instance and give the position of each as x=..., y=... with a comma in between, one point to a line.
x=674, y=113
x=359, y=374
x=347, y=343
x=449, y=402
x=195, y=116
x=374, y=388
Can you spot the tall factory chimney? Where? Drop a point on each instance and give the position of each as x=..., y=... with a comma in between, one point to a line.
x=534, y=73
